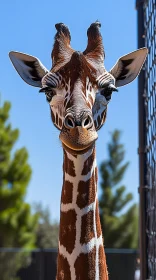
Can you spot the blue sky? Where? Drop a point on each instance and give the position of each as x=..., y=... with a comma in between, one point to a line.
x=29, y=27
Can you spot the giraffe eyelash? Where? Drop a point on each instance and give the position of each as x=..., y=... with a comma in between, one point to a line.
x=45, y=89
x=49, y=92
x=49, y=95
x=107, y=91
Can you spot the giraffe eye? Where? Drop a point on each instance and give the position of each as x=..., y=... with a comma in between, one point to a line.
x=49, y=95
x=109, y=87
x=49, y=92
x=107, y=91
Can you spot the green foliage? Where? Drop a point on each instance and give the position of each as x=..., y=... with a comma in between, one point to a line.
x=11, y=262
x=119, y=230
x=17, y=224
x=47, y=231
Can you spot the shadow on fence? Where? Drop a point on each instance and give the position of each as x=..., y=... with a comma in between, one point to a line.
x=16, y=264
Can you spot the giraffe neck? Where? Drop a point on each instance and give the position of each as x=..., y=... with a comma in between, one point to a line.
x=81, y=254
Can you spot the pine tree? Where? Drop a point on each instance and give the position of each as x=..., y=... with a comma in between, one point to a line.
x=17, y=224
x=47, y=231
x=119, y=222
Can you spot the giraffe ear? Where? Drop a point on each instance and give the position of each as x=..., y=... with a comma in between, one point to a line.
x=128, y=67
x=28, y=67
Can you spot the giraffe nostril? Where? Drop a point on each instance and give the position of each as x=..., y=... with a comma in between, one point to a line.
x=69, y=122
x=87, y=122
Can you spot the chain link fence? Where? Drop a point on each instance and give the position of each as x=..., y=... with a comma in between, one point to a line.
x=150, y=130
x=147, y=138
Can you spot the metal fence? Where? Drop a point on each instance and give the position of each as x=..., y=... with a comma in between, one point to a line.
x=147, y=138
x=17, y=264
x=150, y=107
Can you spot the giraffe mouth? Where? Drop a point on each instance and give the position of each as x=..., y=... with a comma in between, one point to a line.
x=78, y=140
x=77, y=152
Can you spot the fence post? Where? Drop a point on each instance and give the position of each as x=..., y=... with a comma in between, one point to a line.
x=41, y=267
x=141, y=149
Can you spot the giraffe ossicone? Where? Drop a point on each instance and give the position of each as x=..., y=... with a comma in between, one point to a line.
x=78, y=89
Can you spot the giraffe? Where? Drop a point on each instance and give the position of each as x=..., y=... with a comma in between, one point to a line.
x=78, y=89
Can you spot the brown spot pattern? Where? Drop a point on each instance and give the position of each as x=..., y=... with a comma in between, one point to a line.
x=60, y=122
x=56, y=118
x=52, y=116
x=91, y=99
x=67, y=192
x=103, y=273
x=85, y=266
x=96, y=176
x=63, y=269
x=69, y=104
x=65, y=102
x=104, y=115
x=75, y=156
x=68, y=166
x=98, y=224
x=89, y=105
x=68, y=230
x=86, y=192
x=88, y=164
x=87, y=227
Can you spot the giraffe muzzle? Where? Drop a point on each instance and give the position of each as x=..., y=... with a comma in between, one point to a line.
x=78, y=138
x=85, y=122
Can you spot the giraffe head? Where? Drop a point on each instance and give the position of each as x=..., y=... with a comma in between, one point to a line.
x=78, y=87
